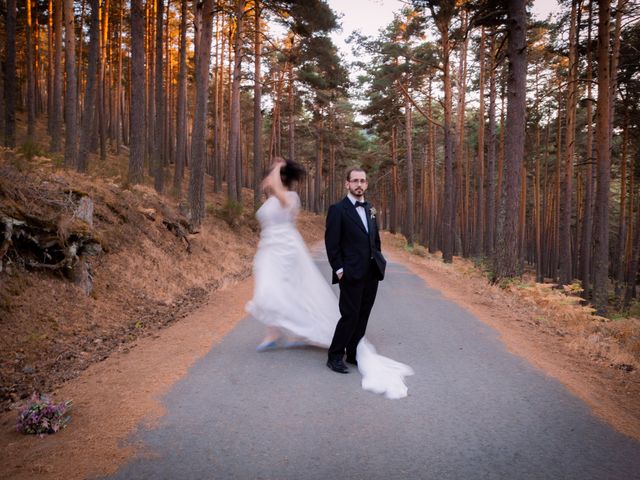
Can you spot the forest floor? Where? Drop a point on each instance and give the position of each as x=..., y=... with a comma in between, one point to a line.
x=156, y=308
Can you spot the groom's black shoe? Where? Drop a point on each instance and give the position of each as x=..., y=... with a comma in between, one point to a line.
x=352, y=361
x=337, y=366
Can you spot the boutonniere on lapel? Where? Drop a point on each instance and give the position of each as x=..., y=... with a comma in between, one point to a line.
x=373, y=213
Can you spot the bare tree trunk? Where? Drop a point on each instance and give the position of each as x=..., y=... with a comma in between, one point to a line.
x=621, y=257
x=491, y=154
x=234, y=128
x=448, y=210
x=257, y=108
x=317, y=197
x=622, y=228
x=10, y=80
x=50, y=70
x=480, y=208
x=198, y=142
x=565, y=253
x=57, y=111
x=292, y=121
x=150, y=82
x=507, y=261
x=460, y=240
x=181, y=115
x=102, y=111
x=410, y=180
x=79, y=56
x=433, y=189
x=158, y=150
x=633, y=265
x=31, y=80
x=395, y=210
x=138, y=101
x=601, y=247
x=537, y=212
x=90, y=94
x=118, y=93
x=167, y=147
x=70, y=99
x=218, y=141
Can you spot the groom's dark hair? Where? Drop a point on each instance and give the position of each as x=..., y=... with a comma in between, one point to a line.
x=354, y=169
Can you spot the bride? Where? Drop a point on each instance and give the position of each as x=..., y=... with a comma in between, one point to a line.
x=291, y=297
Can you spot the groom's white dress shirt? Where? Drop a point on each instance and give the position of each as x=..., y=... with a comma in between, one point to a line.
x=361, y=212
x=363, y=216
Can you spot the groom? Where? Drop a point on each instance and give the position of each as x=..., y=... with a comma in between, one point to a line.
x=353, y=247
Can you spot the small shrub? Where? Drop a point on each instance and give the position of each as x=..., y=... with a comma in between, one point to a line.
x=419, y=250
x=42, y=416
x=31, y=149
x=508, y=282
x=231, y=213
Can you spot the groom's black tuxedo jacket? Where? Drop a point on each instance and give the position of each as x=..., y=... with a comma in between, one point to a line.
x=348, y=244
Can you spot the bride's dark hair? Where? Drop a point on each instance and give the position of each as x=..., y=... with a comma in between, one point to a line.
x=291, y=172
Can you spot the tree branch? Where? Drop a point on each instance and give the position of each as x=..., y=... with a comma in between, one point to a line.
x=405, y=93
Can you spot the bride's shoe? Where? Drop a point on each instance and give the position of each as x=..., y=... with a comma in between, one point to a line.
x=269, y=345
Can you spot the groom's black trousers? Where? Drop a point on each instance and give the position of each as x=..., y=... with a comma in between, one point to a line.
x=356, y=301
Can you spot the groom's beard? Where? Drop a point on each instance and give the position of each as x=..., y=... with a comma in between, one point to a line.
x=357, y=192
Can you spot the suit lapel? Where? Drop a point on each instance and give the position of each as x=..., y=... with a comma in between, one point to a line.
x=353, y=214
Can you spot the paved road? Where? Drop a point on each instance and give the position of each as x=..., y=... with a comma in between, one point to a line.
x=474, y=410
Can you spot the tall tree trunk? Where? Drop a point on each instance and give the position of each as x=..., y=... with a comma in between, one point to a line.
x=395, y=210
x=79, y=56
x=31, y=75
x=448, y=210
x=621, y=257
x=70, y=99
x=633, y=265
x=601, y=247
x=460, y=240
x=218, y=140
x=199, y=139
x=292, y=118
x=118, y=90
x=158, y=150
x=507, y=261
x=234, y=127
x=257, y=107
x=622, y=229
x=57, y=112
x=150, y=82
x=10, y=80
x=537, y=210
x=86, y=132
x=138, y=101
x=480, y=209
x=103, y=86
x=106, y=82
x=181, y=114
x=565, y=253
x=491, y=154
x=51, y=69
x=433, y=189
x=408, y=130
x=317, y=190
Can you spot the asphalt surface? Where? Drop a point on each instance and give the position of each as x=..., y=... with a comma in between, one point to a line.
x=474, y=410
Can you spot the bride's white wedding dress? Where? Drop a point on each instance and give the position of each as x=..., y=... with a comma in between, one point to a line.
x=291, y=294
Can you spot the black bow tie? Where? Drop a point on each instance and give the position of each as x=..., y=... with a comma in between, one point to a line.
x=360, y=204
